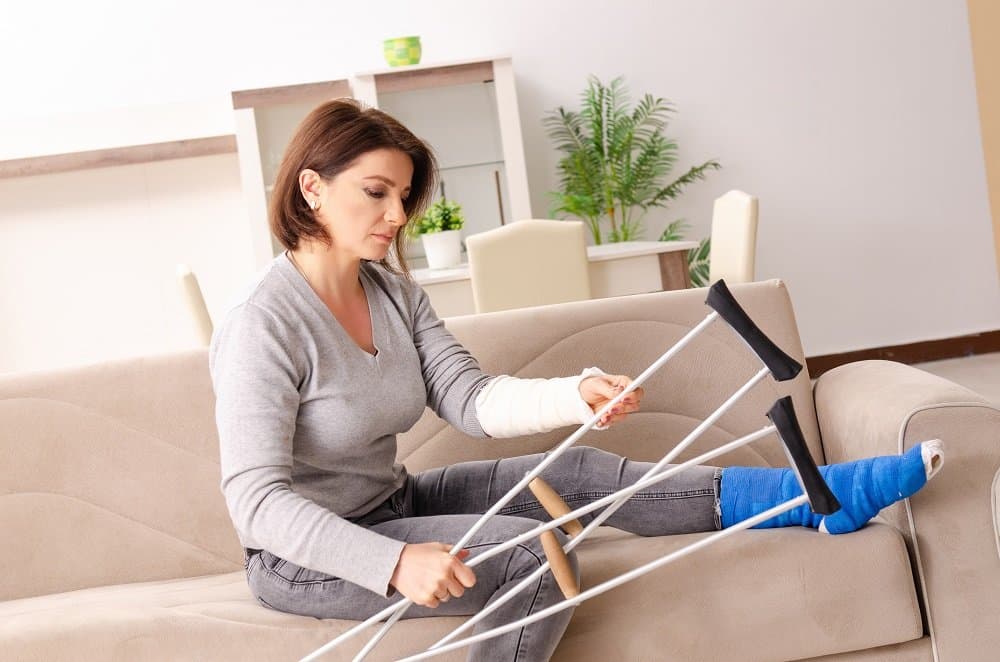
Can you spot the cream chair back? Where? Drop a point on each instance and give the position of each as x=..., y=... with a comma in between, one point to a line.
x=528, y=263
x=734, y=238
x=194, y=302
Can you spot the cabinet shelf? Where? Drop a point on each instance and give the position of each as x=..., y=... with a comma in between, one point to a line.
x=462, y=166
x=117, y=156
x=115, y=137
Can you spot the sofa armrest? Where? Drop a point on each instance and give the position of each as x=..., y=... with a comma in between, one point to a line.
x=950, y=526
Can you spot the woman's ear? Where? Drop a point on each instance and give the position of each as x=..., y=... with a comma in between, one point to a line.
x=310, y=185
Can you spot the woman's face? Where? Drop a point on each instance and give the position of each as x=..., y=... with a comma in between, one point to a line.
x=362, y=206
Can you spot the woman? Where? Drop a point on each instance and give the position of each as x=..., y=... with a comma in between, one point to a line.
x=333, y=350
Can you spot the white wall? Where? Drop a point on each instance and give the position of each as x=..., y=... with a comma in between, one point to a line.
x=88, y=259
x=854, y=121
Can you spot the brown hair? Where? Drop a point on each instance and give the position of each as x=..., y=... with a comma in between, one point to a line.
x=329, y=140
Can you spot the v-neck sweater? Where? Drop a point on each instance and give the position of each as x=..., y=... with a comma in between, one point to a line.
x=307, y=419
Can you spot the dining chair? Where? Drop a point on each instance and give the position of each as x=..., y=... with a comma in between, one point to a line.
x=734, y=238
x=532, y=262
x=195, y=304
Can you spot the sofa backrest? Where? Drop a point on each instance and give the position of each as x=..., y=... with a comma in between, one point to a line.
x=624, y=335
x=110, y=473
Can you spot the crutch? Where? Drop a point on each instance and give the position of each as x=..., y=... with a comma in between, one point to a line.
x=724, y=305
x=815, y=492
x=721, y=300
x=558, y=559
x=400, y=606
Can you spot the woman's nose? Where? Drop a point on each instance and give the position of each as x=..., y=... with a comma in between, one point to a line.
x=396, y=213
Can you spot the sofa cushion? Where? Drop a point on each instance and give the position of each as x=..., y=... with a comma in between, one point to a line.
x=109, y=474
x=760, y=595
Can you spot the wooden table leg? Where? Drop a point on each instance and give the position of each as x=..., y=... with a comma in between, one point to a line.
x=674, y=273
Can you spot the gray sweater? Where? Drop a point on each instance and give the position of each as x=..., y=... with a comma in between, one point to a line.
x=307, y=419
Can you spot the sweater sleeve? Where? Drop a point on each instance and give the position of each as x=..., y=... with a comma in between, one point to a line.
x=451, y=374
x=256, y=384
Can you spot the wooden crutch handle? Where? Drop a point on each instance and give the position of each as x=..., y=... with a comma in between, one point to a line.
x=554, y=505
x=559, y=563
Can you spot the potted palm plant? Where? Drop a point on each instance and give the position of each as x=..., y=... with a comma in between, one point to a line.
x=615, y=160
x=439, y=228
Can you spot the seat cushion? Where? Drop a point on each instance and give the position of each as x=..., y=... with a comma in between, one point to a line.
x=771, y=594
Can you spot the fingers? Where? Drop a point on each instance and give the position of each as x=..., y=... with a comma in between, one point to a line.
x=621, y=383
x=456, y=577
x=618, y=383
x=453, y=590
x=611, y=385
x=627, y=405
x=465, y=576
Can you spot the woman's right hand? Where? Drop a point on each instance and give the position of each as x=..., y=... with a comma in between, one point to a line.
x=428, y=575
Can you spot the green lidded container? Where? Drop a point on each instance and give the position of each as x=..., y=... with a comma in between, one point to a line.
x=401, y=51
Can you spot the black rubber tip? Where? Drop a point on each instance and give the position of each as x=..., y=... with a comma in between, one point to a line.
x=722, y=301
x=821, y=499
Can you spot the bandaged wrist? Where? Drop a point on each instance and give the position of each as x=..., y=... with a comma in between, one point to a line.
x=510, y=406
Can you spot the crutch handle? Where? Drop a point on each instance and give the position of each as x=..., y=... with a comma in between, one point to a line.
x=722, y=301
x=821, y=499
x=554, y=505
x=559, y=562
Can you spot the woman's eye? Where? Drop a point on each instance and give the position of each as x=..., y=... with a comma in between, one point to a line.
x=373, y=193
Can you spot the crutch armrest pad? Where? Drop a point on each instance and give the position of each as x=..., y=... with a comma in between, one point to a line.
x=821, y=499
x=722, y=301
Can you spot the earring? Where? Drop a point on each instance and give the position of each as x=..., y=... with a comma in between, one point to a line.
x=314, y=205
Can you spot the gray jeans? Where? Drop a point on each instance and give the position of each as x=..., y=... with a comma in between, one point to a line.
x=441, y=505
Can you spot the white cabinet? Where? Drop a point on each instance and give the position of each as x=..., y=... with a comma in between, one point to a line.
x=466, y=111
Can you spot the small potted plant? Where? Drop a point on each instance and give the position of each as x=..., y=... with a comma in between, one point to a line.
x=440, y=230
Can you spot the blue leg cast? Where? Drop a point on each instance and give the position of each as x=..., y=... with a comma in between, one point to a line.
x=863, y=488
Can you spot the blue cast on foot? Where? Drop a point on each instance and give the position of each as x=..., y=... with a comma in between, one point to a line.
x=863, y=488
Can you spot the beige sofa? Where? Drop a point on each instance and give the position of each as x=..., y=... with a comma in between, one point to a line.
x=117, y=544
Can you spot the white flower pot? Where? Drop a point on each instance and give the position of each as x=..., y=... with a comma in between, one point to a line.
x=443, y=249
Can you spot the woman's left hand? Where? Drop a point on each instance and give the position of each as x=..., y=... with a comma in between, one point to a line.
x=599, y=390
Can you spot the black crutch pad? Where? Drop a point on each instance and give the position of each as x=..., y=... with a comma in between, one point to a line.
x=821, y=499
x=781, y=365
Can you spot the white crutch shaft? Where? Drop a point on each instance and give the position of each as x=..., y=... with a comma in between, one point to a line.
x=618, y=503
x=514, y=491
x=625, y=492
x=333, y=643
x=632, y=489
x=583, y=429
x=617, y=581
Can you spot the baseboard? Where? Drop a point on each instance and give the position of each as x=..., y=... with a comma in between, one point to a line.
x=918, y=352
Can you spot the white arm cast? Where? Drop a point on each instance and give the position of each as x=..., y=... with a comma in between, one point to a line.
x=510, y=407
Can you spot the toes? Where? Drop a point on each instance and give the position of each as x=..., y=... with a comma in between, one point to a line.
x=932, y=454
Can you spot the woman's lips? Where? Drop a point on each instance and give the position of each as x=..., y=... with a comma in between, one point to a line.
x=383, y=237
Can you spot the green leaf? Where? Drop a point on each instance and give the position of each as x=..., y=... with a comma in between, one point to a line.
x=695, y=174
x=674, y=231
x=699, y=263
x=441, y=216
